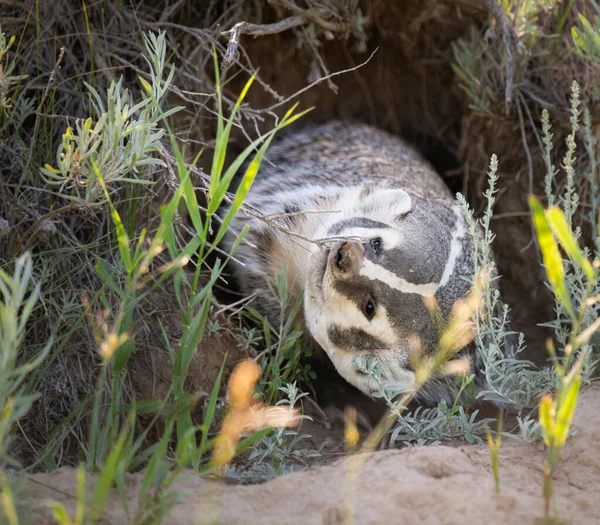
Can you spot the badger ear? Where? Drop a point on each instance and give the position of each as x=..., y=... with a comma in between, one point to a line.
x=385, y=203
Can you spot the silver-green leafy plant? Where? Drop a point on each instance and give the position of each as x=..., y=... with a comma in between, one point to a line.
x=7, y=66
x=433, y=426
x=472, y=70
x=19, y=295
x=279, y=452
x=141, y=276
x=120, y=141
x=574, y=282
x=426, y=426
x=285, y=358
x=587, y=38
x=107, y=155
x=508, y=380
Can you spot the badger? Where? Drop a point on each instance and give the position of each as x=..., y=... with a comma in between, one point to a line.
x=369, y=233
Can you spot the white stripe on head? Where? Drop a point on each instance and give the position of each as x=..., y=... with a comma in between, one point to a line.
x=391, y=237
x=455, y=247
x=379, y=273
x=384, y=203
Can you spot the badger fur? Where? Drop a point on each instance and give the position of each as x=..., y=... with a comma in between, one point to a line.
x=370, y=234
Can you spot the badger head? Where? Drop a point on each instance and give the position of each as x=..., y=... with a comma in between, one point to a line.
x=370, y=287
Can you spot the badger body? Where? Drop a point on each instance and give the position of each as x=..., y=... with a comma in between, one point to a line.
x=370, y=234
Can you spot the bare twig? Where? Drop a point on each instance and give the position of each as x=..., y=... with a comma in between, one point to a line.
x=316, y=82
x=530, y=173
x=246, y=28
x=39, y=109
x=204, y=38
x=326, y=19
x=320, y=16
x=232, y=306
x=51, y=80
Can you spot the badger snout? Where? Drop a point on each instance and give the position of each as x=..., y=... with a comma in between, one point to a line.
x=346, y=258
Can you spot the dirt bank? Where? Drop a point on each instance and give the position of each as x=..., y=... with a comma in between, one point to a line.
x=422, y=485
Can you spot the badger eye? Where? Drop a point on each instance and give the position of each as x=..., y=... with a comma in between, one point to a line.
x=376, y=244
x=369, y=309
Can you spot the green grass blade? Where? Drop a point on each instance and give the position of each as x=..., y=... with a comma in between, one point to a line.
x=242, y=191
x=250, y=440
x=566, y=410
x=210, y=410
x=59, y=513
x=107, y=477
x=165, y=230
x=225, y=182
x=222, y=139
x=122, y=238
x=214, y=172
x=151, y=471
x=251, y=173
x=560, y=228
x=187, y=187
x=7, y=501
x=81, y=496
x=107, y=278
x=551, y=255
x=216, y=272
x=546, y=420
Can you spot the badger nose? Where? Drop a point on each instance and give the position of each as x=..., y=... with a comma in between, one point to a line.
x=347, y=258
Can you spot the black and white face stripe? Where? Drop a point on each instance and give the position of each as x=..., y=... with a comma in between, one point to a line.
x=355, y=222
x=418, y=247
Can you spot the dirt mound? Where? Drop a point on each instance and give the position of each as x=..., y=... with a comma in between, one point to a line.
x=418, y=485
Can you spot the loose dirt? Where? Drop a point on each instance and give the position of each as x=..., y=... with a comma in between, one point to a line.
x=429, y=485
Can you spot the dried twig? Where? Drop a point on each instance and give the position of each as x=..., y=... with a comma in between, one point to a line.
x=39, y=111
x=323, y=18
x=520, y=101
x=319, y=15
x=316, y=82
x=246, y=28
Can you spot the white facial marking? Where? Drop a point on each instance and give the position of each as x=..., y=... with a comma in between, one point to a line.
x=375, y=272
x=391, y=238
x=381, y=205
x=455, y=247
x=384, y=203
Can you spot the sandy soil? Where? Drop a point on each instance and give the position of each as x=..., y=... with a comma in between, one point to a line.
x=432, y=485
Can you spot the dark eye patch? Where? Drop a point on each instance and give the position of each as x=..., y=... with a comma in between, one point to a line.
x=353, y=338
x=356, y=290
